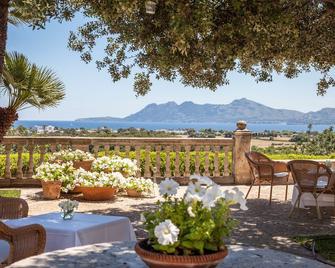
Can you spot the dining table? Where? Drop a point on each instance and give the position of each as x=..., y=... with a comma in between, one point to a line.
x=82, y=229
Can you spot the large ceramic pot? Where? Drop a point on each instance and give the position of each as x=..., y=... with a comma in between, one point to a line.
x=87, y=165
x=158, y=260
x=98, y=193
x=133, y=193
x=51, y=189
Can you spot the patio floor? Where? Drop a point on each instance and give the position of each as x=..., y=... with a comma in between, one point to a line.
x=261, y=226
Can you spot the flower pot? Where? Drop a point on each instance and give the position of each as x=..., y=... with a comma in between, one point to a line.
x=133, y=193
x=159, y=260
x=51, y=189
x=76, y=190
x=98, y=193
x=86, y=165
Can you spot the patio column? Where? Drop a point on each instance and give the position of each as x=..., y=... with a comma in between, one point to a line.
x=242, y=145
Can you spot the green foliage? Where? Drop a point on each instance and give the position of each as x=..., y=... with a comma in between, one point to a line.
x=200, y=42
x=10, y=193
x=28, y=85
x=322, y=143
x=132, y=155
x=197, y=234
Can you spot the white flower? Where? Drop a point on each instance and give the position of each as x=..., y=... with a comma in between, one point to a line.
x=203, y=180
x=166, y=233
x=142, y=218
x=236, y=197
x=168, y=186
x=192, y=198
x=190, y=212
x=196, y=188
x=212, y=194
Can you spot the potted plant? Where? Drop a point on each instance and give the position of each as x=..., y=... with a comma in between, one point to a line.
x=136, y=187
x=127, y=167
x=98, y=185
x=55, y=177
x=79, y=158
x=189, y=231
x=67, y=208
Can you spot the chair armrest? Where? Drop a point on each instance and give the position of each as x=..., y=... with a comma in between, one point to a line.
x=280, y=167
x=24, y=241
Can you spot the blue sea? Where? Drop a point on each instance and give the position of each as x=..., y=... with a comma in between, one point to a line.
x=168, y=126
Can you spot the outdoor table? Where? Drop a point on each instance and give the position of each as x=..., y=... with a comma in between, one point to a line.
x=122, y=254
x=83, y=229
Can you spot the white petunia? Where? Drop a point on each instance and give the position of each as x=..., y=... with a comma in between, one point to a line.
x=212, y=194
x=196, y=189
x=190, y=212
x=203, y=180
x=168, y=187
x=192, y=198
x=236, y=196
x=166, y=233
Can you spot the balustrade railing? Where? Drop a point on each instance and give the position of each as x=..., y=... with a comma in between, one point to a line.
x=156, y=157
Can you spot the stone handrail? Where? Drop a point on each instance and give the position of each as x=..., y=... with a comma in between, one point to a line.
x=212, y=150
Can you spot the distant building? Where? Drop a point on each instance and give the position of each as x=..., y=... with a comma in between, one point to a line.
x=43, y=129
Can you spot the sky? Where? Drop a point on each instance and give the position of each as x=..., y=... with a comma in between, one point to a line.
x=91, y=93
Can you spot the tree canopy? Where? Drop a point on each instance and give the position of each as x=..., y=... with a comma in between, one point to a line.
x=201, y=42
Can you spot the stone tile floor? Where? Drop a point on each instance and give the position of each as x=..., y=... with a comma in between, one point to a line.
x=262, y=225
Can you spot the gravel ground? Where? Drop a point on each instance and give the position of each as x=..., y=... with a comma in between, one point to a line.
x=262, y=225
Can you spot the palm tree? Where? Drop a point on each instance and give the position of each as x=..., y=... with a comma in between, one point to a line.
x=26, y=85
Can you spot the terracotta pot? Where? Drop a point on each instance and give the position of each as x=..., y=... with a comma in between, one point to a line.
x=98, y=193
x=159, y=260
x=76, y=190
x=133, y=193
x=83, y=164
x=51, y=189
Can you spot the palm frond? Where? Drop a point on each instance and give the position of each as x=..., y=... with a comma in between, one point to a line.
x=27, y=84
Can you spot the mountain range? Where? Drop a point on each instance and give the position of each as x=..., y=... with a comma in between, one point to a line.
x=251, y=111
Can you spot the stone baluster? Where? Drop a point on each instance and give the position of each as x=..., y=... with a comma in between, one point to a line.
x=167, y=162
x=42, y=154
x=216, y=161
x=197, y=160
x=147, y=164
x=177, y=162
x=206, y=166
x=138, y=159
x=158, y=162
x=31, y=161
x=117, y=149
x=226, y=161
x=187, y=161
x=19, y=172
x=106, y=149
x=53, y=148
x=8, y=174
x=127, y=149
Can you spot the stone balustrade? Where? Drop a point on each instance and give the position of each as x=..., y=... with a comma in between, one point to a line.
x=157, y=157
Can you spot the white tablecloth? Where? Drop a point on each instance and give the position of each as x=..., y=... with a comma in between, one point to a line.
x=83, y=229
x=307, y=199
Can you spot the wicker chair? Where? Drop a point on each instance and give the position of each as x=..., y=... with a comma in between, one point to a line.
x=265, y=171
x=24, y=241
x=306, y=175
x=13, y=208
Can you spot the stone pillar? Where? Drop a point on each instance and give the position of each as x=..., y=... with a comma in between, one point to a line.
x=242, y=145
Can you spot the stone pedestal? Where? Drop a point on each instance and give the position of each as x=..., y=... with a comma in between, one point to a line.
x=242, y=145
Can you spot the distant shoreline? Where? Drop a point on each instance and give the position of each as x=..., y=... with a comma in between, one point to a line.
x=255, y=127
